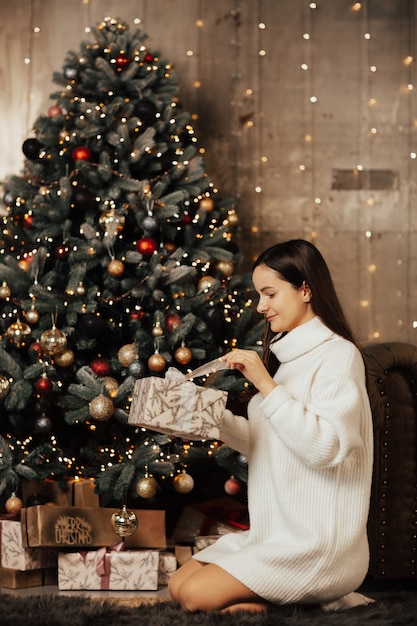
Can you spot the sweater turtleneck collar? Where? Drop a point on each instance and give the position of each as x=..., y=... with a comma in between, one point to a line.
x=300, y=340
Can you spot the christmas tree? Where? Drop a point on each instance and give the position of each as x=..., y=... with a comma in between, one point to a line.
x=118, y=260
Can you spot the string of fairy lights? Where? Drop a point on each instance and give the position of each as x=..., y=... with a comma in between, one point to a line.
x=369, y=203
x=366, y=215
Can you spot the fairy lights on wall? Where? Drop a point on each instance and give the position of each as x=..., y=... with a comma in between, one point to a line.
x=249, y=97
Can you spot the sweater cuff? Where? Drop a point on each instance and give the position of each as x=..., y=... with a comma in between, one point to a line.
x=273, y=401
x=234, y=432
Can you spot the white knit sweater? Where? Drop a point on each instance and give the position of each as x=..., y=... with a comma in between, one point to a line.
x=310, y=450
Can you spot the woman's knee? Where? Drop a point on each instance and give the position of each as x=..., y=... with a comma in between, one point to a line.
x=190, y=596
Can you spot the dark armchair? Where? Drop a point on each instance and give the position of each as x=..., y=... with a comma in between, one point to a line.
x=392, y=526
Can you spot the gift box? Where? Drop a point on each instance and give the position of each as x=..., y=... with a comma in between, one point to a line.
x=178, y=407
x=87, y=527
x=16, y=579
x=73, y=492
x=13, y=555
x=213, y=517
x=167, y=566
x=109, y=569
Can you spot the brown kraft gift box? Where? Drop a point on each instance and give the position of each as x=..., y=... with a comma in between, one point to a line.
x=88, y=527
x=16, y=579
x=76, y=492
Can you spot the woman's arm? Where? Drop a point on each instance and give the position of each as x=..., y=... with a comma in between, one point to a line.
x=234, y=432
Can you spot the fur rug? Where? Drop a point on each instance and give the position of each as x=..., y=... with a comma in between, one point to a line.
x=52, y=610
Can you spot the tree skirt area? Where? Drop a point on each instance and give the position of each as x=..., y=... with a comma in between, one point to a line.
x=52, y=610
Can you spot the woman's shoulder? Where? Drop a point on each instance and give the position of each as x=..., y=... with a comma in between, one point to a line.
x=341, y=352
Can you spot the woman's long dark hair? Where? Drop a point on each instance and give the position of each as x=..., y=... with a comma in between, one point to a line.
x=298, y=261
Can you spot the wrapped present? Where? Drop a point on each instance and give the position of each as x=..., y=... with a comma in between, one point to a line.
x=73, y=492
x=13, y=555
x=167, y=566
x=177, y=407
x=16, y=579
x=109, y=569
x=87, y=527
x=213, y=517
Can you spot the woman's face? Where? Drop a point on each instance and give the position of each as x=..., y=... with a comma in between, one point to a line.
x=284, y=306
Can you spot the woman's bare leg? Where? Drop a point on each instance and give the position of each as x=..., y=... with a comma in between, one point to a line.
x=207, y=587
x=180, y=575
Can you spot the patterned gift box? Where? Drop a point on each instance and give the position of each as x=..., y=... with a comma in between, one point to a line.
x=15, y=556
x=111, y=569
x=177, y=407
x=167, y=566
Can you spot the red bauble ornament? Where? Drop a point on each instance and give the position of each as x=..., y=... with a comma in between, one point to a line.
x=149, y=58
x=122, y=61
x=61, y=252
x=36, y=349
x=146, y=246
x=136, y=316
x=82, y=153
x=43, y=385
x=172, y=322
x=54, y=111
x=100, y=367
x=186, y=219
x=232, y=486
x=27, y=221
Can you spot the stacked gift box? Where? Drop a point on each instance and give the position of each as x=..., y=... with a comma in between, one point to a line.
x=90, y=553
x=77, y=547
x=21, y=566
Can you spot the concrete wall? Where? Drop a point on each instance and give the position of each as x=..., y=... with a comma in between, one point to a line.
x=287, y=142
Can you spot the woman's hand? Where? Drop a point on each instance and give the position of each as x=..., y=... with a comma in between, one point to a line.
x=250, y=365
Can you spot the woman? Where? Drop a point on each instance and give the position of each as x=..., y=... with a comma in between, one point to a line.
x=309, y=444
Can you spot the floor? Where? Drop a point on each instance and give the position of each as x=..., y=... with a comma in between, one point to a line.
x=162, y=593
x=371, y=588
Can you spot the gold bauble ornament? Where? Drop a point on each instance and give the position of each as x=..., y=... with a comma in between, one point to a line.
x=32, y=316
x=18, y=333
x=80, y=290
x=4, y=387
x=207, y=204
x=206, y=282
x=101, y=408
x=127, y=354
x=4, y=291
x=225, y=267
x=157, y=362
x=65, y=359
x=53, y=341
x=157, y=330
x=183, y=482
x=115, y=268
x=111, y=385
x=146, y=487
x=183, y=355
x=14, y=504
x=124, y=522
